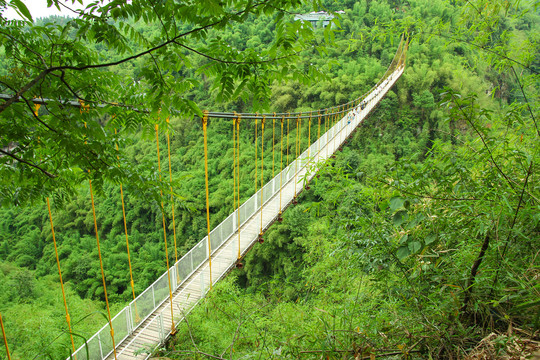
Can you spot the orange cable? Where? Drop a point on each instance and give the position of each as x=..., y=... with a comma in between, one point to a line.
x=68, y=319
x=326, y=132
x=296, y=148
x=319, y=136
x=205, y=132
x=281, y=165
x=288, y=140
x=172, y=198
x=273, y=145
x=235, y=207
x=238, y=181
x=173, y=327
x=5, y=338
x=309, y=136
x=83, y=108
x=262, y=171
x=101, y=266
x=234, y=165
x=137, y=318
x=256, y=159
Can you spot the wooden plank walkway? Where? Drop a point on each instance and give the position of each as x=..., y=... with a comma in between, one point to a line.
x=155, y=329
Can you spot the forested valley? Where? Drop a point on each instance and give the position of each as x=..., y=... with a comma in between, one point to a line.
x=420, y=239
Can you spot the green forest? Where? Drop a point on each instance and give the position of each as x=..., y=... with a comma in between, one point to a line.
x=419, y=240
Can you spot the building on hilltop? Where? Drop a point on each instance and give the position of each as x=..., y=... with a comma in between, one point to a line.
x=315, y=17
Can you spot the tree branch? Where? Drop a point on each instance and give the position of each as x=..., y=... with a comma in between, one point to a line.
x=45, y=72
x=526, y=100
x=483, y=48
x=48, y=174
x=474, y=271
x=233, y=62
x=469, y=120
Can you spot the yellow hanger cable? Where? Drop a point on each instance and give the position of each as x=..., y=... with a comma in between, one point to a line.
x=101, y=266
x=234, y=169
x=296, y=152
x=173, y=327
x=83, y=108
x=319, y=136
x=5, y=338
x=326, y=132
x=256, y=161
x=288, y=118
x=334, y=132
x=309, y=137
x=237, y=122
x=262, y=172
x=273, y=145
x=281, y=166
x=68, y=319
x=205, y=133
x=172, y=198
x=137, y=319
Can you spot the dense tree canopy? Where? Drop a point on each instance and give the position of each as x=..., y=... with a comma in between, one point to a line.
x=86, y=60
x=420, y=238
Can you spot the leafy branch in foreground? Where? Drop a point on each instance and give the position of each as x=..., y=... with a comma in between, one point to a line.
x=84, y=58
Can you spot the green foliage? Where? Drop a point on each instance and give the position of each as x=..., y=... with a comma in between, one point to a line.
x=146, y=57
x=439, y=212
x=419, y=238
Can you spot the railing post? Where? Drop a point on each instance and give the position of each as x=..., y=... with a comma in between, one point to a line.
x=128, y=318
x=100, y=347
x=154, y=296
x=161, y=327
x=173, y=277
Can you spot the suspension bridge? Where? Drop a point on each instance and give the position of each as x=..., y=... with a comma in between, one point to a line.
x=152, y=317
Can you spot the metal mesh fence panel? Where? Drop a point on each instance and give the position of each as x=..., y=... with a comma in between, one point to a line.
x=106, y=340
x=267, y=192
x=142, y=306
x=161, y=288
x=227, y=227
x=215, y=238
x=200, y=252
x=184, y=267
x=120, y=326
x=250, y=208
x=276, y=183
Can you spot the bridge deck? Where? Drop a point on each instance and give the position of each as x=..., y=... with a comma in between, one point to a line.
x=148, y=334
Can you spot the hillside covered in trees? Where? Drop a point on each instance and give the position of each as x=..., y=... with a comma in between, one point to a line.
x=419, y=240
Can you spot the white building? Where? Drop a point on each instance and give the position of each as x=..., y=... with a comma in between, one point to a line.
x=315, y=17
